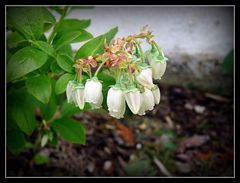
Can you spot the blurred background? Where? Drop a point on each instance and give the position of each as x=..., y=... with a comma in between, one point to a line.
x=196, y=39
x=191, y=131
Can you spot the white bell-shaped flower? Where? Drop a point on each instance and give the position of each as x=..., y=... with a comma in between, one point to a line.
x=93, y=92
x=158, y=69
x=156, y=94
x=119, y=114
x=116, y=102
x=145, y=78
x=69, y=91
x=157, y=62
x=142, y=110
x=78, y=95
x=147, y=101
x=133, y=99
x=98, y=105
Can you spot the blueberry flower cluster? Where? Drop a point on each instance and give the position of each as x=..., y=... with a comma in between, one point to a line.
x=133, y=70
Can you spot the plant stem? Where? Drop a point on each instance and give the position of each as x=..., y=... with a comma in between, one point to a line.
x=158, y=48
x=50, y=38
x=99, y=67
x=140, y=50
x=79, y=75
x=130, y=76
x=90, y=72
x=56, y=115
x=118, y=76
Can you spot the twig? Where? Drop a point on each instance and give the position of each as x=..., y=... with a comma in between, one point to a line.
x=217, y=97
x=161, y=167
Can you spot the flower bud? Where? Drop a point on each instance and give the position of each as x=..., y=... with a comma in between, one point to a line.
x=78, y=95
x=156, y=94
x=93, y=92
x=116, y=102
x=145, y=78
x=133, y=99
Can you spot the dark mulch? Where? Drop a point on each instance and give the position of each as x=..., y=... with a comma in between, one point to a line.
x=190, y=133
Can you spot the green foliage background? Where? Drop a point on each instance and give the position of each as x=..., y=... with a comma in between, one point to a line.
x=38, y=70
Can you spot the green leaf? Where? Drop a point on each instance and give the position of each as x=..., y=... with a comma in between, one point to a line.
x=40, y=159
x=66, y=63
x=53, y=140
x=46, y=67
x=14, y=39
x=70, y=130
x=46, y=48
x=48, y=19
x=72, y=37
x=111, y=34
x=66, y=50
x=90, y=48
x=48, y=110
x=40, y=87
x=73, y=25
x=43, y=38
x=15, y=141
x=70, y=109
x=95, y=45
x=25, y=61
x=228, y=64
x=20, y=108
x=62, y=82
x=58, y=9
x=27, y=20
x=9, y=54
x=55, y=68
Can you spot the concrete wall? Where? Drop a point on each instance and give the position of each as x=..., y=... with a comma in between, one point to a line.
x=196, y=39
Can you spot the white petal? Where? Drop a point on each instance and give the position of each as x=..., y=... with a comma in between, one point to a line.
x=158, y=69
x=133, y=100
x=115, y=99
x=148, y=98
x=145, y=78
x=156, y=94
x=79, y=96
x=93, y=91
x=69, y=91
x=118, y=114
x=98, y=104
x=142, y=109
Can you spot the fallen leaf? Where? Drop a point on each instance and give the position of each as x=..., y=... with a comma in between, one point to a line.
x=125, y=133
x=183, y=167
x=169, y=122
x=194, y=141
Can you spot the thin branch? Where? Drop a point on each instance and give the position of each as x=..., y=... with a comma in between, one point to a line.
x=161, y=167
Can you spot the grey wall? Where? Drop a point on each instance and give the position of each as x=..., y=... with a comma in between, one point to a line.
x=196, y=39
